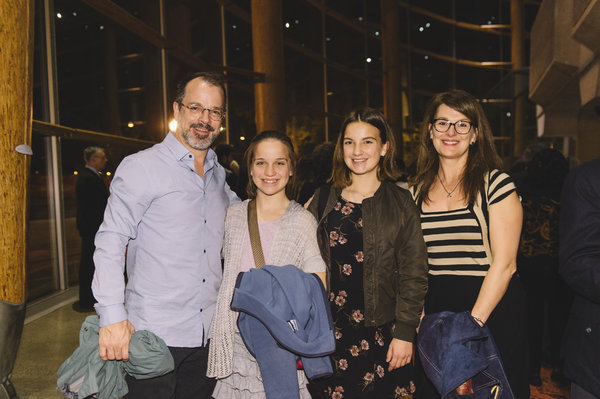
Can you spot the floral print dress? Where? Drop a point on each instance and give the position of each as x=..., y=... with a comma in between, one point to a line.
x=360, y=369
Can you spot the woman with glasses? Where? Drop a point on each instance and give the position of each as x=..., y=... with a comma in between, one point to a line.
x=471, y=218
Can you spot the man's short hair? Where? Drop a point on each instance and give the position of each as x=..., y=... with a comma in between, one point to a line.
x=213, y=79
x=89, y=152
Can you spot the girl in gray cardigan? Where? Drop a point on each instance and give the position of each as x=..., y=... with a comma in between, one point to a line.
x=287, y=235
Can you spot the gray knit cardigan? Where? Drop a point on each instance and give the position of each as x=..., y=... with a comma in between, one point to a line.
x=295, y=243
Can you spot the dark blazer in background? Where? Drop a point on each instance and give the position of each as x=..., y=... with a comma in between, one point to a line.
x=92, y=196
x=580, y=267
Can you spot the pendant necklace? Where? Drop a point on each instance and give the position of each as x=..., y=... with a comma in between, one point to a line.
x=445, y=189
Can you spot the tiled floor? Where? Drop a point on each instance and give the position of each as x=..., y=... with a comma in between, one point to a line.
x=45, y=344
x=48, y=341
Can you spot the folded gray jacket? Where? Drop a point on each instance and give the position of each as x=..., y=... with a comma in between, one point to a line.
x=84, y=374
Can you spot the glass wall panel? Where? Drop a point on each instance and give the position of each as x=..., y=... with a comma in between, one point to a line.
x=430, y=34
x=304, y=96
x=40, y=89
x=441, y=7
x=477, y=46
x=351, y=9
x=372, y=15
x=108, y=80
x=374, y=67
x=419, y=101
x=238, y=35
x=375, y=95
x=145, y=10
x=42, y=264
x=195, y=26
x=477, y=81
x=479, y=12
x=302, y=24
x=431, y=74
x=345, y=92
x=500, y=116
x=242, y=4
x=242, y=125
x=205, y=30
x=345, y=45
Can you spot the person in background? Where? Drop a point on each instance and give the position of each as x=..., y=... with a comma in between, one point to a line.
x=370, y=236
x=471, y=219
x=225, y=158
x=287, y=237
x=319, y=163
x=548, y=298
x=580, y=267
x=92, y=195
x=167, y=208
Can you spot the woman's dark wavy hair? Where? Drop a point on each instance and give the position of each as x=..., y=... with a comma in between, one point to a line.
x=482, y=155
x=249, y=159
x=340, y=174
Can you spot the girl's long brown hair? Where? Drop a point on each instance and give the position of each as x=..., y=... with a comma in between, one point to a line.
x=482, y=156
x=340, y=175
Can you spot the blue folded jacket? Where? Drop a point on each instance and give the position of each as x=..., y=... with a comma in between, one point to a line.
x=284, y=314
x=453, y=348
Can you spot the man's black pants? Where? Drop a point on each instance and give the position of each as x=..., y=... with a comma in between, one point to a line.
x=187, y=381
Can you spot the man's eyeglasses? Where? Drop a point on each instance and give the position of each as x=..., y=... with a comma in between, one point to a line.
x=215, y=114
x=461, y=127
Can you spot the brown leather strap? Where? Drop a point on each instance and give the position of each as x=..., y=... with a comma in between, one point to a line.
x=259, y=258
x=466, y=388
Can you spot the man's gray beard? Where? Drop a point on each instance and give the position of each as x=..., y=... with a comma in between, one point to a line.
x=199, y=144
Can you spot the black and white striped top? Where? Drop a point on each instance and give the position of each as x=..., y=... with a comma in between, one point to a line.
x=457, y=240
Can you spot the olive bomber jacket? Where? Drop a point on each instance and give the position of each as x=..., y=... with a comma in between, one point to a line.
x=395, y=257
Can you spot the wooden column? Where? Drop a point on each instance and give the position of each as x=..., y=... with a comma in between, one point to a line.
x=16, y=83
x=392, y=68
x=520, y=81
x=267, y=47
x=16, y=87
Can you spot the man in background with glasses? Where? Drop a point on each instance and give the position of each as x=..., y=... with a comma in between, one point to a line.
x=167, y=209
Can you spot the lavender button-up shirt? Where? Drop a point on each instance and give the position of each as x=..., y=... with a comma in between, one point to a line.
x=170, y=222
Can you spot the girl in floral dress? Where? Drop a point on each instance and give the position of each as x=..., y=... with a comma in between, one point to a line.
x=369, y=235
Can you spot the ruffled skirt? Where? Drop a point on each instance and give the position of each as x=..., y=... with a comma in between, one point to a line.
x=246, y=382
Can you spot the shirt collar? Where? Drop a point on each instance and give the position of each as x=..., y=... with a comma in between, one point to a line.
x=181, y=153
x=92, y=169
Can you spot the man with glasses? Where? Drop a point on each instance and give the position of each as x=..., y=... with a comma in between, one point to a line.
x=167, y=208
x=91, y=200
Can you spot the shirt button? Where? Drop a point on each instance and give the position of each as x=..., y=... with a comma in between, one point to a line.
x=189, y=156
x=205, y=251
x=588, y=330
x=204, y=220
x=204, y=280
x=200, y=310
